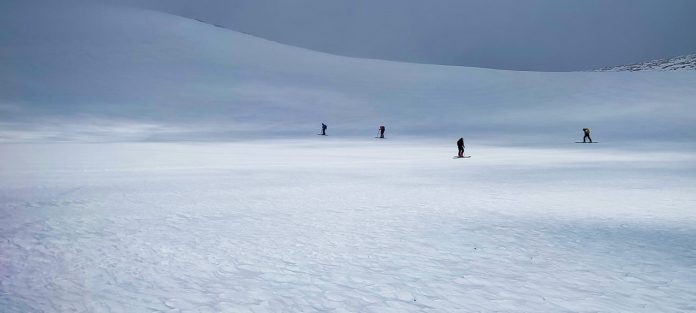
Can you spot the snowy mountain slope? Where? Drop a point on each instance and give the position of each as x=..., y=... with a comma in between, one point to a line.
x=684, y=62
x=90, y=72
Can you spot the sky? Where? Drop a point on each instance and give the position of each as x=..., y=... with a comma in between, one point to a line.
x=545, y=35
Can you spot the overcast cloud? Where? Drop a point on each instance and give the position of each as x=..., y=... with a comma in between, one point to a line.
x=546, y=35
x=552, y=35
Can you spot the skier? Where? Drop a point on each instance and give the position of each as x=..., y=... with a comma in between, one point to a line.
x=587, y=135
x=381, y=131
x=323, y=129
x=460, y=146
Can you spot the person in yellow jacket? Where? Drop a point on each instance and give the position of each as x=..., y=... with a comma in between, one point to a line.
x=587, y=135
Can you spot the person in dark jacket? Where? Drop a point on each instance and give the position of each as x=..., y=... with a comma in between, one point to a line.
x=381, y=131
x=323, y=129
x=460, y=146
x=587, y=135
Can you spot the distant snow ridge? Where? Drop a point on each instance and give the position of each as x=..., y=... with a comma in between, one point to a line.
x=684, y=62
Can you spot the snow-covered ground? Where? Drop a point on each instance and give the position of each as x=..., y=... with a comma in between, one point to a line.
x=331, y=224
x=182, y=202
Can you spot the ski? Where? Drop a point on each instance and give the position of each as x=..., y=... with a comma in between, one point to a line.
x=464, y=157
x=587, y=142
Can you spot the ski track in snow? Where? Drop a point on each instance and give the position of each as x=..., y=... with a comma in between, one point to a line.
x=345, y=227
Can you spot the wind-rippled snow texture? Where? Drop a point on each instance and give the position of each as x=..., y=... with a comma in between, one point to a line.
x=383, y=226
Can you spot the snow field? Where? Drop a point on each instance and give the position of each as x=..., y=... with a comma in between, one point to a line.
x=345, y=226
x=327, y=224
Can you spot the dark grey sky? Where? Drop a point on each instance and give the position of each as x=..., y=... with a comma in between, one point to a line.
x=551, y=35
